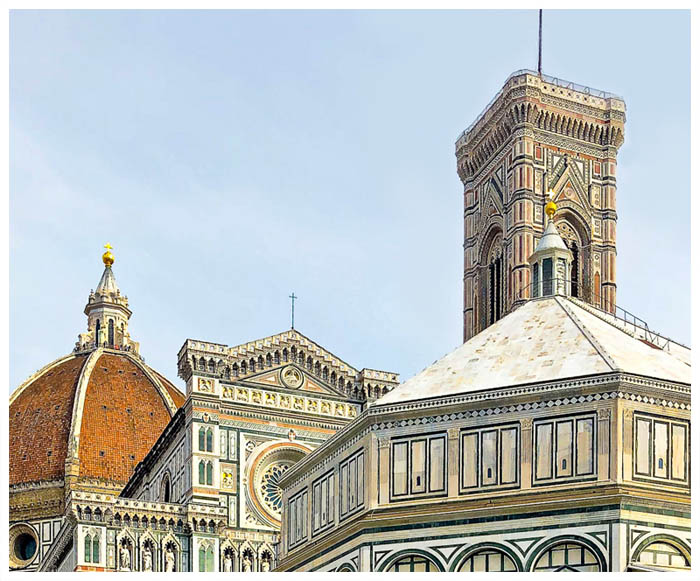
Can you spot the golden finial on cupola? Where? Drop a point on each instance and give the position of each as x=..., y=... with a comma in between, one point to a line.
x=108, y=257
x=550, y=207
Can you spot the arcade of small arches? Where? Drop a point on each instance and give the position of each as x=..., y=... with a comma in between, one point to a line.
x=246, y=557
x=569, y=553
x=348, y=385
x=124, y=519
x=559, y=123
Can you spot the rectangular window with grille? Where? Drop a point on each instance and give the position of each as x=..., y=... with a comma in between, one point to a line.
x=661, y=449
x=489, y=458
x=418, y=466
x=323, y=503
x=351, y=485
x=296, y=521
x=564, y=448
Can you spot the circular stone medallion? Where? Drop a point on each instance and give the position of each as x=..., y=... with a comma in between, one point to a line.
x=292, y=377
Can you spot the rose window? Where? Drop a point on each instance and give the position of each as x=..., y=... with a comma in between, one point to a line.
x=270, y=490
x=265, y=470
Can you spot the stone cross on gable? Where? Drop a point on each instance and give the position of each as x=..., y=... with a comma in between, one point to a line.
x=294, y=298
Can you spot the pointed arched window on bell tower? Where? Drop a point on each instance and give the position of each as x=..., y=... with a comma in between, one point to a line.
x=97, y=333
x=110, y=333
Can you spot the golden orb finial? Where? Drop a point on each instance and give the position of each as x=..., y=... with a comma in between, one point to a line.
x=550, y=207
x=108, y=257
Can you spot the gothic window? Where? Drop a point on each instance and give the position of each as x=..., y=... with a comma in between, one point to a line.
x=210, y=440
x=97, y=332
x=268, y=360
x=260, y=362
x=244, y=368
x=227, y=373
x=325, y=373
x=413, y=564
x=96, y=549
x=573, y=243
x=494, y=284
x=294, y=354
x=235, y=370
x=212, y=366
x=88, y=549
x=202, y=364
x=285, y=355
x=252, y=365
x=333, y=378
x=574, y=269
x=201, y=472
x=535, y=280
x=210, y=473
x=202, y=433
x=277, y=357
x=301, y=358
x=317, y=368
x=488, y=560
x=206, y=557
x=568, y=556
x=166, y=488
x=110, y=333
x=210, y=558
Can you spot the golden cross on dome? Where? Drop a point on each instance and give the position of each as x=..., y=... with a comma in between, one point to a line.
x=108, y=257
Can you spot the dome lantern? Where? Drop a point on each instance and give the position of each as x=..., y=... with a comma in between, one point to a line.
x=108, y=314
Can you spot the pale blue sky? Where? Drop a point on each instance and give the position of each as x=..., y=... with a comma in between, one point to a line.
x=234, y=157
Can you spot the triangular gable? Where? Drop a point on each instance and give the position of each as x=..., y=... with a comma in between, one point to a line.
x=569, y=192
x=290, y=376
x=495, y=193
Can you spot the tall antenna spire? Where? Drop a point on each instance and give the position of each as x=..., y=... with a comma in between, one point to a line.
x=539, y=45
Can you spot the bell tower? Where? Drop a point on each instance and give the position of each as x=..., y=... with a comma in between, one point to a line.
x=539, y=135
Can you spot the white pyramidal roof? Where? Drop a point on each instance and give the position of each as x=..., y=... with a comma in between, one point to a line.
x=107, y=283
x=550, y=239
x=544, y=340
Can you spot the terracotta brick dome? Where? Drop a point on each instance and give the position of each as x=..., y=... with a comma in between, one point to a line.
x=102, y=410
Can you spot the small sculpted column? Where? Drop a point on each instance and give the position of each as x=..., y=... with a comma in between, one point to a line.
x=604, y=444
x=452, y=462
x=384, y=470
x=526, y=453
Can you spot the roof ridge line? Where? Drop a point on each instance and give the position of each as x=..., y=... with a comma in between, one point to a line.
x=591, y=338
x=603, y=316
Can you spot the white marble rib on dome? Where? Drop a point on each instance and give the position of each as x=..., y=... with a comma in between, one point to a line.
x=544, y=340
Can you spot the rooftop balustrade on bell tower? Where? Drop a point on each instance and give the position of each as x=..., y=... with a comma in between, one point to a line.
x=538, y=134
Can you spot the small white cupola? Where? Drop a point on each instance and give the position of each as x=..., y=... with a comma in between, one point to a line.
x=550, y=263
